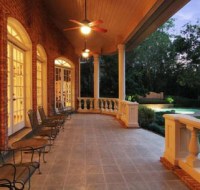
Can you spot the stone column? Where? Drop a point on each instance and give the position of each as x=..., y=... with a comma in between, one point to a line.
x=79, y=93
x=121, y=75
x=96, y=82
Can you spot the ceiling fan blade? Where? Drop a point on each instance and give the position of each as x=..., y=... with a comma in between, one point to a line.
x=99, y=29
x=77, y=22
x=95, y=23
x=72, y=28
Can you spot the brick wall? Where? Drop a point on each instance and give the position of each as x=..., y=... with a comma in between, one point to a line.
x=33, y=16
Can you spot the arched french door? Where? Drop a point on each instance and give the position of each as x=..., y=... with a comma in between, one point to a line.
x=16, y=62
x=64, y=84
x=41, y=77
x=17, y=68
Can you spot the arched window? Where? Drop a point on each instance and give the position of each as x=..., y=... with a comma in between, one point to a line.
x=41, y=77
x=64, y=83
x=19, y=74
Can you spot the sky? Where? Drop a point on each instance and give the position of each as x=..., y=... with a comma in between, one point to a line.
x=189, y=13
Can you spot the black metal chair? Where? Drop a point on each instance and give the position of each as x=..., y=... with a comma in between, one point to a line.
x=42, y=130
x=14, y=176
x=52, y=120
x=63, y=112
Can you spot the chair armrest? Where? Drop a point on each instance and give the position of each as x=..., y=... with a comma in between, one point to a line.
x=8, y=168
x=14, y=150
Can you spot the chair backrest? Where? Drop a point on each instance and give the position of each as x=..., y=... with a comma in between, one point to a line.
x=33, y=119
x=53, y=109
x=42, y=113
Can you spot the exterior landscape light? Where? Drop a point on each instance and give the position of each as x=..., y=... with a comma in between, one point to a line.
x=85, y=30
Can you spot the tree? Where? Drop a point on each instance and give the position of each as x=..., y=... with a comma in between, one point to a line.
x=150, y=62
x=87, y=78
x=109, y=76
x=187, y=47
x=161, y=63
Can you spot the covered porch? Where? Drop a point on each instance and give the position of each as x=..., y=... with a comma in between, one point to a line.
x=96, y=152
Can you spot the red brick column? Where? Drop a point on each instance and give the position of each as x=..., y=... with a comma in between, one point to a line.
x=50, y=84
x=3, y=80
x=34, y=75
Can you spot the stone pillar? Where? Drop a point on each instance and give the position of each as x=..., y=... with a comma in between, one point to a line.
x=121, y=75
x=79, y=93
x=96, y=82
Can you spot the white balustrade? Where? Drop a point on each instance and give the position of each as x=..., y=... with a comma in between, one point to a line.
x=107, y=105
x=182, y=143
x=129, y=110
x=85, y=104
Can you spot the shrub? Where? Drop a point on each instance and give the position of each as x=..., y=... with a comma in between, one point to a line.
x=146, y=116
x=159, y=119
x=169, y=99
x=151, y=101
x=185, y=102
x=132, y=98
x=157, y=129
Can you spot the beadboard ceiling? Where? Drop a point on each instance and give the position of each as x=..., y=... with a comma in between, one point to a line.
x=127, y=21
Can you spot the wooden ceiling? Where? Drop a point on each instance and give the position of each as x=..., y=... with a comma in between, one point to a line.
x=127, y=21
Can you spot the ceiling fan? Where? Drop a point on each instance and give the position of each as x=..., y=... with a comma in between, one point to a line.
x=86, y=26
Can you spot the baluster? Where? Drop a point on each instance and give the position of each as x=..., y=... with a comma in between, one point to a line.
x=192, y=160
x=91, y=100
x=85, y=103
x=102, y=106
x=106, y=105
x=99, y=103
x=116, y=106
x=110, y=106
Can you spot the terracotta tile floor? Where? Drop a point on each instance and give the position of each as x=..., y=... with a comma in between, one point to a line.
x=96, y=153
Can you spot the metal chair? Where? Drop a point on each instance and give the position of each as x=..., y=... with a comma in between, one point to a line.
x=57, y=120
x=42, y=130
x=63, y=112
x=14, y=176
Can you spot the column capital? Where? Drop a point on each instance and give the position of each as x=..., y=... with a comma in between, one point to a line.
x=121, y=46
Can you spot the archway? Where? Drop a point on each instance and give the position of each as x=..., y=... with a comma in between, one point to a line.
x=19, y=83
x=64, y=83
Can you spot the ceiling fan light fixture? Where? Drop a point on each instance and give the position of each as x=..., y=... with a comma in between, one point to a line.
x=87, y=50
x=85, y=30
x=85, y=54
